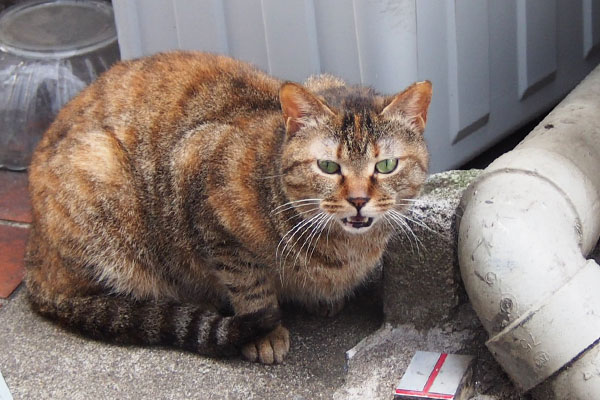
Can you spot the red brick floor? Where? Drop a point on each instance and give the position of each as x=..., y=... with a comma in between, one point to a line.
x=12, y=250
x=14, y=207
x=14, y=198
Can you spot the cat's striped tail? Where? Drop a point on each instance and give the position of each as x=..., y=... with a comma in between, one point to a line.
x=188, y=326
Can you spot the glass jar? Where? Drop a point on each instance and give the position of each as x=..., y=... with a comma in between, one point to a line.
x=49, y=51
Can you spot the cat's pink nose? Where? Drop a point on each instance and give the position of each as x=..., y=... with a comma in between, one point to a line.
x=358, y=202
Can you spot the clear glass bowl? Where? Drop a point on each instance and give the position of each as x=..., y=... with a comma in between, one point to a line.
x=49, y=51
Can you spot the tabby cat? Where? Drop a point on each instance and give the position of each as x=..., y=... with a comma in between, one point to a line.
x=182, y=197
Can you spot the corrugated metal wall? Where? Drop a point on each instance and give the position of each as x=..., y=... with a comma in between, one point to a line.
x=495, y=64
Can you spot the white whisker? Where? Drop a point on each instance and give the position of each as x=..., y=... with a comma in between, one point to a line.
x=291, y=231
x=409, y=205
x=415, y=221
x=310, y=237
x=400, y=230
x=294, y=206
x=296, y=203
x=271, y=176
x=321, y=229
x=399, y=218
x=302, y=213
x=307, y=224
x=332, y=219
x=413, y=200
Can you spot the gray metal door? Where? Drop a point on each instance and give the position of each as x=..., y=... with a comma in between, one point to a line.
x=494, y=64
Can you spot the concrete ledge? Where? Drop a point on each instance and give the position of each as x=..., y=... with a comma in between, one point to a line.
x=421, y=278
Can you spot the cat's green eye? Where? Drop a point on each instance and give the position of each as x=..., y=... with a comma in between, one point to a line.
x=329, y=167
x=386, y=166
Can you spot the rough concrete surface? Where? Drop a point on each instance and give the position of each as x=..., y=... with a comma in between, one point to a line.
x=421, y=268
x=381, y=359
x=40, y=360
x=376, y=364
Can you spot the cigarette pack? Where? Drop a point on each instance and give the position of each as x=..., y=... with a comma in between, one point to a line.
x=436, y=376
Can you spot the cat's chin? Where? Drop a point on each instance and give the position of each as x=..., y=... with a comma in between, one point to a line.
x=357, y=224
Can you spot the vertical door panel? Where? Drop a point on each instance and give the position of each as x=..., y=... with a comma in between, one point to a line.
x=386, y=43
x=291, y=38
x=536, y=44
x=468, y=66
x=591, y=27
x=432, y=33
x=153, y=14
x=246, y=31
x=201, y=25
x=336, y=35
x=128, y=32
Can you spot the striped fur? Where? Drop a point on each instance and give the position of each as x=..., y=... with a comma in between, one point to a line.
x=172, y=205
x=193, y=327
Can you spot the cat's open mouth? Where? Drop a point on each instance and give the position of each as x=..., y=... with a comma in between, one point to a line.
x=358, y=221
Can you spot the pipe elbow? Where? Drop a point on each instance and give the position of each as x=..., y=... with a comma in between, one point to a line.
x=524, y=230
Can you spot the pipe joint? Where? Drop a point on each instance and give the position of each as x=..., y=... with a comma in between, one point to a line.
x=552, y=333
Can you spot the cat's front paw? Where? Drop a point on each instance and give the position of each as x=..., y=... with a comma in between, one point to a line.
x=269, y=349
x=326, y=308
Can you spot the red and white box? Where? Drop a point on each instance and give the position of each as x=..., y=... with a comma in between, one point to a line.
x=436, y=376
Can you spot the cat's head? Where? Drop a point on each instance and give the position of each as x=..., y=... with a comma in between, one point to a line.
x=353, y=157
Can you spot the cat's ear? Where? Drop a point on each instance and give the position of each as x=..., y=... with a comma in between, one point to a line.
x=411, y=104
x=299, y=106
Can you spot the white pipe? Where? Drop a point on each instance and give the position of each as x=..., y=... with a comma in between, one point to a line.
x=527, y=224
